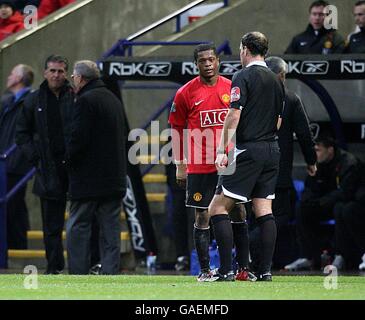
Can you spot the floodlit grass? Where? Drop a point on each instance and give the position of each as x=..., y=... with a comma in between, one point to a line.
x=178, y=288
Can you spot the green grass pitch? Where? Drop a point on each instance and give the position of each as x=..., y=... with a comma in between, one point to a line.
x=145, y=287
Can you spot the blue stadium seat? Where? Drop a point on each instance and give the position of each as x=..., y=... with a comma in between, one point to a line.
x=299, y=187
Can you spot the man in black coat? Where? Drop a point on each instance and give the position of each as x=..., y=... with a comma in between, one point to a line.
x=97, y=171
x=18, y=83
x=316, y=39
x=350, y=228
x=42, y=130
x=294, y=120
x=336, y=180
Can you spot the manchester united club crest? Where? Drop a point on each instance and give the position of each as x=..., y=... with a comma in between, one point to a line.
x=226, y=98
x=235, y=94
x=197, y=196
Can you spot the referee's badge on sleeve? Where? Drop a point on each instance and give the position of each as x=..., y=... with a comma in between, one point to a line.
x=235, y=94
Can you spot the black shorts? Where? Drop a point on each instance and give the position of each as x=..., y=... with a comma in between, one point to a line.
x=200, y=189
x=256, y=172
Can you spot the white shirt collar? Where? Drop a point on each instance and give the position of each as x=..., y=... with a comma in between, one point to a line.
x=257, y=63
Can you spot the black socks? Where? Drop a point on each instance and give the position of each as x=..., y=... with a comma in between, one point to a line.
x=224, y=237
x=267, y=229
x=201, y=241
x=240, y=236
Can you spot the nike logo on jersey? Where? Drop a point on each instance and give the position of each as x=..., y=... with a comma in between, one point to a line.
x=303, y=43
x=198, y=102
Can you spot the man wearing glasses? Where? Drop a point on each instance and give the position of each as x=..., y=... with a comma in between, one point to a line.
x=356, y=42
x=316, y=39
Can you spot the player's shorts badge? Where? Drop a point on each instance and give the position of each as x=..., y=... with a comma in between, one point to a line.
x=226, y=98
x=235, y=94
x=197, y=196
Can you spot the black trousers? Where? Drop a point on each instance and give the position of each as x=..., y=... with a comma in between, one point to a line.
x=53, y=218
x=17, y=215
x=312, y=237
x=350, y=232
x=79, y=229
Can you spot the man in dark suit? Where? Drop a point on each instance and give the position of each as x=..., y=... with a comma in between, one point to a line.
x=97, y=171
x=18, y=85
x=295, y=120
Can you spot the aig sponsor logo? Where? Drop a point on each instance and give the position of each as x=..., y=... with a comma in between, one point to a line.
x=210, y=118
x=352, y=66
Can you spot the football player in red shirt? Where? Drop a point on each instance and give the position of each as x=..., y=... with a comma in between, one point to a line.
x=200, y=106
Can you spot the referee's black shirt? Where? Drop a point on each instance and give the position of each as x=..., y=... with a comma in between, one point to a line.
x=258, y=92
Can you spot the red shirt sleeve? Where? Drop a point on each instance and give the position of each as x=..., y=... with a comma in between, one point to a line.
x=177, y=119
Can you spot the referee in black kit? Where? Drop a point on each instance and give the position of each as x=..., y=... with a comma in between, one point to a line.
x=257, y=101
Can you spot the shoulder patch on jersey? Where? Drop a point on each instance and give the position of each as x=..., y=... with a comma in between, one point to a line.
x=173, y=107
x=235, y=94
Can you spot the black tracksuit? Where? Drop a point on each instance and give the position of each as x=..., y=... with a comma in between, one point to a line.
x=316, y=42
x=334, y=182
x=357, y=42
x=350, y=226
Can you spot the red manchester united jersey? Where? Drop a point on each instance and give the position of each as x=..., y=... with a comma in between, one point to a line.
x=201, y=109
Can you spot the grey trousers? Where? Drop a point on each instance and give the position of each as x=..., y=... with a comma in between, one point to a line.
x=78, y=232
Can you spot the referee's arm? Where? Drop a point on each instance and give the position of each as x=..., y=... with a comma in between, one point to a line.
x=229, y=129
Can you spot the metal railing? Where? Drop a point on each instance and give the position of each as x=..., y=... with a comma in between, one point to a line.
x=125, y=45
x=4, y=198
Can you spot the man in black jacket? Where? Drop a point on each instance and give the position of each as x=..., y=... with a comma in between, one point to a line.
x=97, y=171
x=42, y=130
x=18, y=83
x=336, y=181
x=350, y=228
x=295, y=121
x=316, y=39
x=356, y=43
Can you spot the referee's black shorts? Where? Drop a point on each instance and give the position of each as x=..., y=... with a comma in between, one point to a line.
x=257, y=167
x=200, y=189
